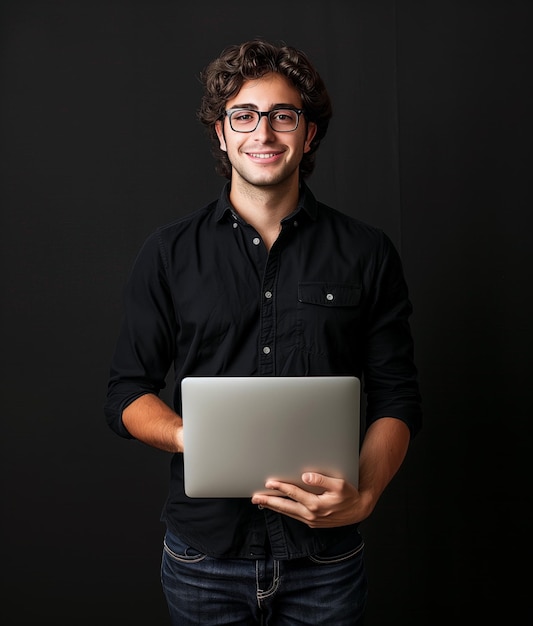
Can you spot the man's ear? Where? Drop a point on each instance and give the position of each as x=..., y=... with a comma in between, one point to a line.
x=311, y=132
x=220, y=133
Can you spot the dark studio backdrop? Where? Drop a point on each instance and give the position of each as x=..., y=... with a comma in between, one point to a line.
x=431, y=140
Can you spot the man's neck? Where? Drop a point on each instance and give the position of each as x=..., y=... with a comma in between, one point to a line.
x=264, y=207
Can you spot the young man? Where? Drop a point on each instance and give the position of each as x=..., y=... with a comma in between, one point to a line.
x=267, y=281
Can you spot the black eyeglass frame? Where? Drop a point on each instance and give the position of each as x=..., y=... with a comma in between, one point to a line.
x=229, y=112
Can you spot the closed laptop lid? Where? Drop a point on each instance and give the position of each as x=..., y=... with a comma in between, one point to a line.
x=240, y=431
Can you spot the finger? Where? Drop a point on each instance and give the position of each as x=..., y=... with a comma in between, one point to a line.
x=280, y=493
x=322, y=483
x=314, y=480
x=289, y=490
x=282, y=505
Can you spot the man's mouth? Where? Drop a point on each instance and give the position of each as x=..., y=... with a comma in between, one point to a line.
x=262, y=155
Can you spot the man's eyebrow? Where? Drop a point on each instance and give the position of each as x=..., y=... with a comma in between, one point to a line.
x=244, y=106
x=278, y=105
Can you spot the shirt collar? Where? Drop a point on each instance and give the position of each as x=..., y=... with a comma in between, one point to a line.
x=306, y=202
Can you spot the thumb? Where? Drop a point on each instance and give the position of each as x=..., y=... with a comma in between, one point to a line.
x=314, y=479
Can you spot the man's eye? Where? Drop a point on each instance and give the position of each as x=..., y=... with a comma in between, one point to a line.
x=284, y=116
x=243, y=117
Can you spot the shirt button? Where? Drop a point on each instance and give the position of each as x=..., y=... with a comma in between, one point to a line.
x=268, y=294
x=329, y=296
x=256, y=241
x=235, y=225
x=295, y=223
x=266, y=350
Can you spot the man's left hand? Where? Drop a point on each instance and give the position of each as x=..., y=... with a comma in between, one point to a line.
x=339, y=504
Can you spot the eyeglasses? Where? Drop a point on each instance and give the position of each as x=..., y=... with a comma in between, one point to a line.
x=283, y=120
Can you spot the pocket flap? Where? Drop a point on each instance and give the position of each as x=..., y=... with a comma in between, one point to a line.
x=329, y=294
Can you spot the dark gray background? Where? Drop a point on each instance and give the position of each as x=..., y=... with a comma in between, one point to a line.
x=431, y=140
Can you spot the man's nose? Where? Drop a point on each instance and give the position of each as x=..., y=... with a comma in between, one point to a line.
x=264, y=128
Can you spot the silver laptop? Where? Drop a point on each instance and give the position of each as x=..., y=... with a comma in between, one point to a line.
x=239, y=431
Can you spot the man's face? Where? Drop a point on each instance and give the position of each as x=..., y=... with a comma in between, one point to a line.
x=265, y=157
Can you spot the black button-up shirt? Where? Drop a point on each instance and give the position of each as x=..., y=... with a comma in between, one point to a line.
x=205, y=296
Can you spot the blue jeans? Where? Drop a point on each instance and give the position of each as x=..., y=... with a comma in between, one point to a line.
x=329, y=588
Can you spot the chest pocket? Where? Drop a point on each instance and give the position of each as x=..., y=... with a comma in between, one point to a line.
x=329, y=294
x=328, y=317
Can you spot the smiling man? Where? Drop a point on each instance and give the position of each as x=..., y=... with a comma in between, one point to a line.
x=265, y=142
x=267, y=281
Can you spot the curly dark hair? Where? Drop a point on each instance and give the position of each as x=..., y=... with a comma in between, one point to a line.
x=225, y=75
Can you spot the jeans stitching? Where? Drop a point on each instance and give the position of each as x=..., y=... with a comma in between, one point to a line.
x=336, y=559
x=181, y=557
x=262, y=595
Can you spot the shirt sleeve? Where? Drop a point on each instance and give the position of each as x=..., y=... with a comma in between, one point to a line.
x=144, y=349
x=391, y=377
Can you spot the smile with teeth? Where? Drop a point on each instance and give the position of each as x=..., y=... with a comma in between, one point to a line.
x=263, y=155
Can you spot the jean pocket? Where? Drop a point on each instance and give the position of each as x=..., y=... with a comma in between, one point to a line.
x=179, y=551
x=342, y=552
